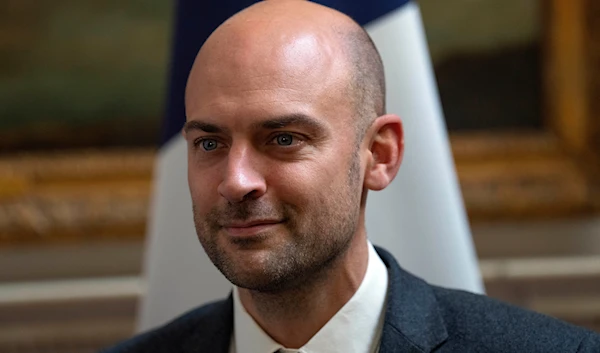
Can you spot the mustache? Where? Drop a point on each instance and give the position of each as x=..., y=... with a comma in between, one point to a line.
x=243, y=212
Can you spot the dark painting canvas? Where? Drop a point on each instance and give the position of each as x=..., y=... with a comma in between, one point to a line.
x=79, y=74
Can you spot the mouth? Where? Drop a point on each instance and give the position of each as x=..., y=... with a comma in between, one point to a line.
x=250, y=229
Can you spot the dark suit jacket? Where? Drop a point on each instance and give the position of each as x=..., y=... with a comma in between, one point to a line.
x=419, y=318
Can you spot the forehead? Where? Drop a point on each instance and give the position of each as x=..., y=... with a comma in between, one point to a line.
x=247, y=76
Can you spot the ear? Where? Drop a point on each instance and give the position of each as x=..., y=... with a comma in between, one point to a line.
x=386, y=148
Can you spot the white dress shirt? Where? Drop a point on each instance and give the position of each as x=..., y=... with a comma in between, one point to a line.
x=355, y=328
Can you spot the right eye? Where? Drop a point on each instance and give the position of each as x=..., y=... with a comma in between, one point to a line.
x=207, y=144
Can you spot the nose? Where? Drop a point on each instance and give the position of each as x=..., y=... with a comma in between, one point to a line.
x=242, y=179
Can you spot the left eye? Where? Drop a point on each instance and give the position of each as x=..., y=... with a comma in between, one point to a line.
x=284, y=139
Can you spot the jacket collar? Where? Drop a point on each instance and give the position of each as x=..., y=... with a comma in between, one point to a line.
x=213, y=334
x=412, y=320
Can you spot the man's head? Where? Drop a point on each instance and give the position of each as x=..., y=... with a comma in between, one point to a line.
x=286, y=131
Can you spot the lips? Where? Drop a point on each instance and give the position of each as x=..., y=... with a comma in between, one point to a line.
x=249, y=229
x=250, y=224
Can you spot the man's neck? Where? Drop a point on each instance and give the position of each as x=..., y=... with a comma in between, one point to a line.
x=294, y=316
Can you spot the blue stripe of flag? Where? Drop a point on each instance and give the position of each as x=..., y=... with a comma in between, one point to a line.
x=195, y=20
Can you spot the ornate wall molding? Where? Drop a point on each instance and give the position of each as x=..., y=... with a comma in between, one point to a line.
x=80, y=195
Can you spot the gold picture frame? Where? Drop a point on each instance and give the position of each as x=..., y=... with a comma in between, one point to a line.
x=553, y=172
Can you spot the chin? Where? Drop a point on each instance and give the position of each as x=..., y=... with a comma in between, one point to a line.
x=252, y=280
x=244, y=266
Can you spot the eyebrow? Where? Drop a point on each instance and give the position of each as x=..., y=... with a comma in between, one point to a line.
x=296, y=119
x=206, y=127
x=291, y=119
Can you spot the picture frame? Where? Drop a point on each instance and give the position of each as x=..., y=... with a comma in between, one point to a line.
x=553, y=172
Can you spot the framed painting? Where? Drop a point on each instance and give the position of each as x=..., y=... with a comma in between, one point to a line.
x=82, y=85
x=517, y=82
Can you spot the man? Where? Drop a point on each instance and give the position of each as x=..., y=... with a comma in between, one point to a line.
x=287, y=131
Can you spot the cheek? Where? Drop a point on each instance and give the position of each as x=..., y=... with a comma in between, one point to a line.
x=202, y=188
x=306, y=182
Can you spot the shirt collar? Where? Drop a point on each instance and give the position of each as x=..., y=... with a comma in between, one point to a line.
x=356, y=327
x=248, y=337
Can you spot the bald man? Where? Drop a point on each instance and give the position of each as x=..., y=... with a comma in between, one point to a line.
x=286, y=133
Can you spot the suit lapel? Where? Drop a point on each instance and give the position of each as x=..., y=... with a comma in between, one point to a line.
x=412, y=321
x=214, y=334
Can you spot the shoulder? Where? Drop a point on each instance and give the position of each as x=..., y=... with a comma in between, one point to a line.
x=447, y=320
x=206, y=320
x=477, y=320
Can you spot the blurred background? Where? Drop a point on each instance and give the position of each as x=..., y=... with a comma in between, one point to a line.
x=82, y=93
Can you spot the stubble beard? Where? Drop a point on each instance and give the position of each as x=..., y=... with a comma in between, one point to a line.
x=317, y=237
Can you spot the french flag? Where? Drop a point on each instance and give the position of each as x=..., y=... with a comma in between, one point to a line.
x=420, y=217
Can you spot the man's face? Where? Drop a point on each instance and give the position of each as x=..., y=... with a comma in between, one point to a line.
x=273, y=163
